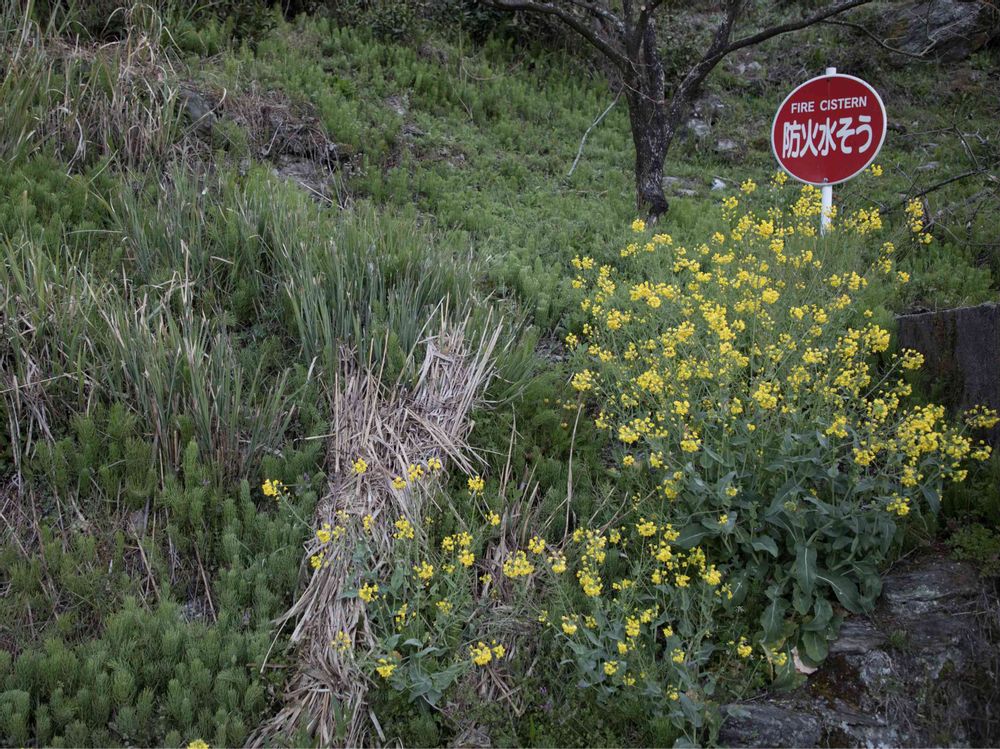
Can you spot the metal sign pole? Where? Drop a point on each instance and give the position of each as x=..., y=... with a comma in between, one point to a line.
x=826, y=193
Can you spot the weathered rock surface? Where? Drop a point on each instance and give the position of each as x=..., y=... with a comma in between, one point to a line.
x=961, y=349
x=947, y=29
x=920, y=671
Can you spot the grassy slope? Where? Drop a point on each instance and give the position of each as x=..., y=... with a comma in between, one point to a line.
x=471, y=177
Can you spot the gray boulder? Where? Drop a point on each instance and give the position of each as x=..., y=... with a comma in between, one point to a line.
x=950, y=30
x=920, y=671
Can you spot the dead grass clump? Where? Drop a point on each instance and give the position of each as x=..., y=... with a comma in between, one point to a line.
x=400, y=425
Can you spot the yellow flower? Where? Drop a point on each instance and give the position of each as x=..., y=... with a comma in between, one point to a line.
x=360, y=466
x=481, y=653
x=712, y=576
x=466, y=557
x=517, y=565
x=677, y=656
x=493, y=518
x=197, y=744
x=404, y=529
x=424, y=571
x=628, y=461
x=398, y=482
x=569, y=626
x=476, y=483
x=911, y=359
x=748, y=187
x=876, y=170
x=611, y=668
x=723, y=519
x=385, y=667
x=444, y=607
x=743, y=649
x=536, y=545
x=368, y=592
x=415, y=472
x=434, y=464
x=645, y=527
x=558, y=562
x=323, y=534
x=638, y=225
x=499, y=651
x=341, y=641
x=272, y=488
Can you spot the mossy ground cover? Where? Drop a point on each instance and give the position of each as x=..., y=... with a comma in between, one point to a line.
x=168, y=345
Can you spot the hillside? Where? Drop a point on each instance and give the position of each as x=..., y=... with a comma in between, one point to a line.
x=349, y=400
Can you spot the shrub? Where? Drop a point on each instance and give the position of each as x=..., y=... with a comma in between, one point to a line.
x=766, y=427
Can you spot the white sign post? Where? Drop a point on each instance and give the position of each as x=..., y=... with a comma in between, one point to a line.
x=826, y=193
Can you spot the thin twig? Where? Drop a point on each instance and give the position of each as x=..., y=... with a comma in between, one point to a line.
x=594, y=124
x=938, y=186
x=870, y=35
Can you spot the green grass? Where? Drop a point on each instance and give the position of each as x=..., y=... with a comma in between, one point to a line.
x=175, y=331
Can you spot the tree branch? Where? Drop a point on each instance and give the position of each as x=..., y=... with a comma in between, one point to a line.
x=600, y=12
x=939, y=185
x=594, y=124
x=784, y=28
x=870, y=35
x=615, y=55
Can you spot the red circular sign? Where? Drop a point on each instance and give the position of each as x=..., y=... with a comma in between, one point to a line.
x=829, y=129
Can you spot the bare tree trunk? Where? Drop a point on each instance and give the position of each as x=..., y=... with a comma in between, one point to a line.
x=648, y=116
x=649, y=134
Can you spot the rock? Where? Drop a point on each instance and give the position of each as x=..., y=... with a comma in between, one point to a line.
x=770, y=724
x=398, y=104
x=921, y=670
x=961, y=349
x=198, y=109
x=708, y=108
x=752, y=70
x=727, y=148
x=698, y=128
x=718, y=184
x=950, y=30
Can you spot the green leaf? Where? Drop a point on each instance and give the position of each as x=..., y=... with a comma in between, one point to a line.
x=800, y=601
x=932, y=497
x=765, y=543
x=815, y=646
x=691, y=535
x=822, y=616
x=773, y=619
x=804, y=570
x=845, y=590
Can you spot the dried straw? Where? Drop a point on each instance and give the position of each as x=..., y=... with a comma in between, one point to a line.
x=392, y=427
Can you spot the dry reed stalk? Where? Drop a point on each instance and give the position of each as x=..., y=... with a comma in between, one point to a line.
x=392, y=426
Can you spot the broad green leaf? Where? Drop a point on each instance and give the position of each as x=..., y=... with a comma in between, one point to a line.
x=804, y=570
x=815, y=646
x=845, y=590
x=773, y=619
x=822, y=616
x=765, y=543
x=691, y=535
